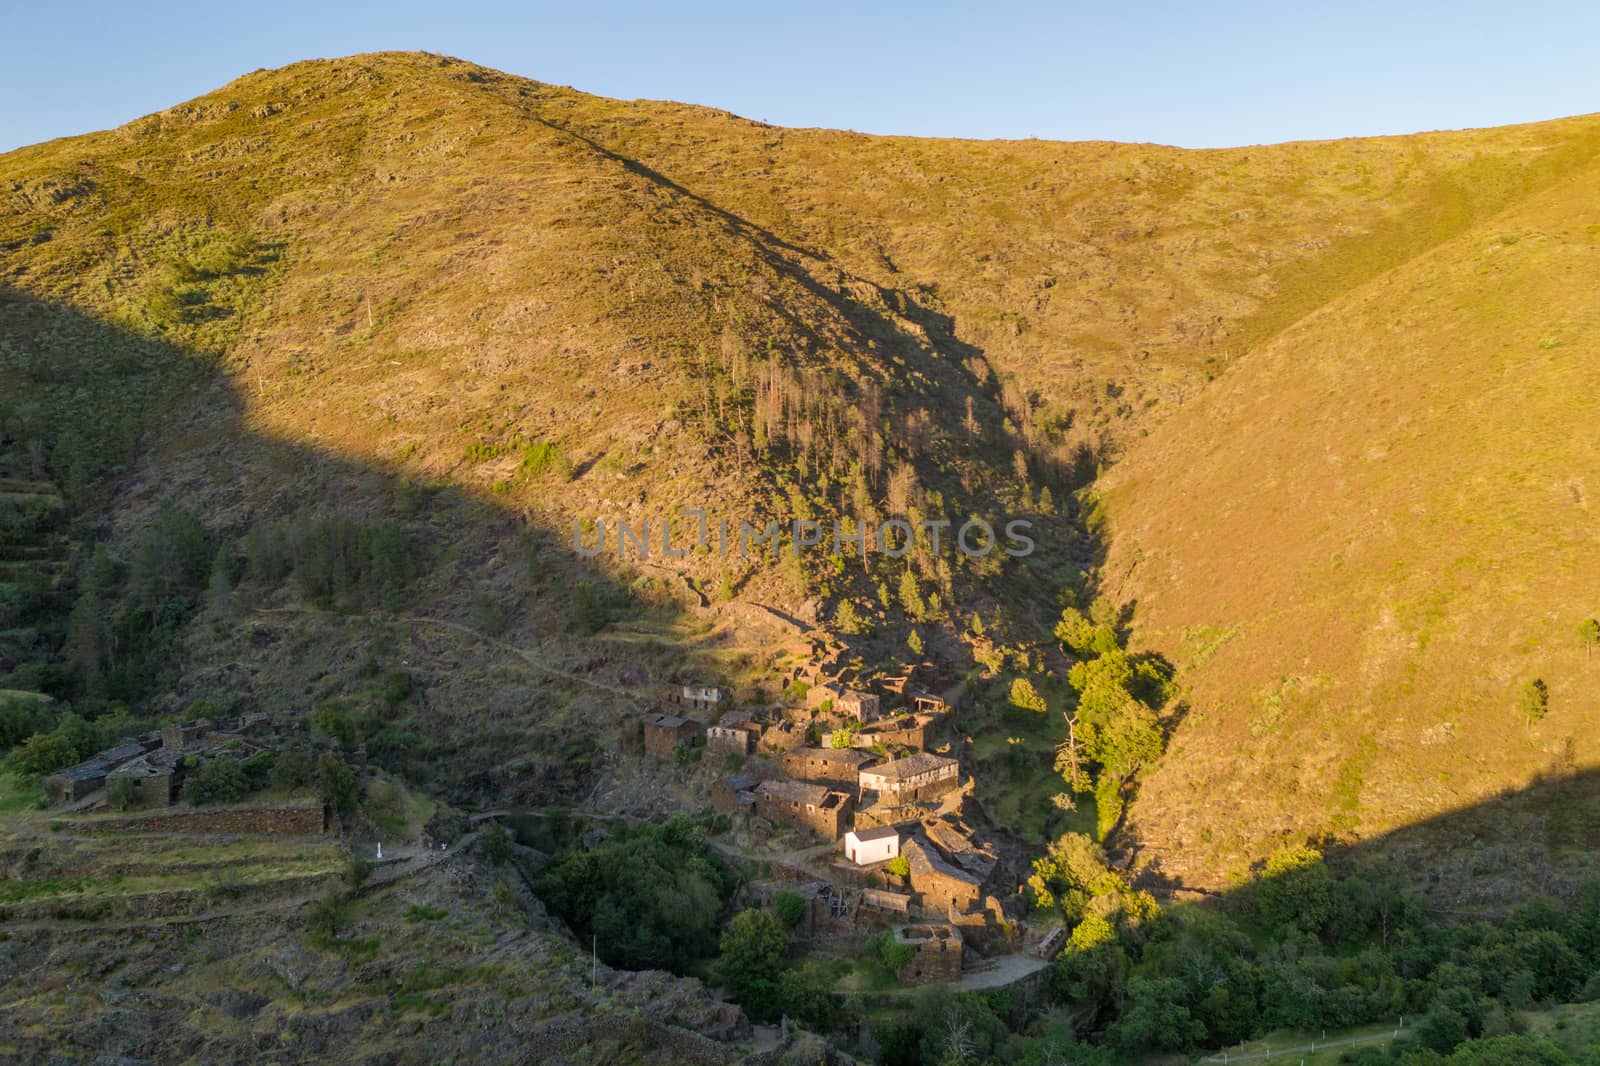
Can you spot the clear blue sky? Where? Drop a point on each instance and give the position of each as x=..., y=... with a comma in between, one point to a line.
x=1198, y=74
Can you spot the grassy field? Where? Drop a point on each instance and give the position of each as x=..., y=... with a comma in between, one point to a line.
x=18, y=793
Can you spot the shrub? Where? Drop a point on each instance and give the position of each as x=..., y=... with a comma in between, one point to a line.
x=122, y=793
x=790, y=907
x=219, y=780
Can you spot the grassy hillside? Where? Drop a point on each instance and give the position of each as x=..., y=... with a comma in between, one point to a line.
x=1367, y=540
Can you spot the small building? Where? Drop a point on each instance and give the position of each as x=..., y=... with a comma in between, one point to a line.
x=907, y=731
x=938, y=956
x=867, y=846
x=839, y=767
x=821, y=810
x=729, y=741
x=911, y=780
x=664, y=732
x=1051, y=943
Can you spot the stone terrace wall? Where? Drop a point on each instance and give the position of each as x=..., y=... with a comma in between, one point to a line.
x=295, y=820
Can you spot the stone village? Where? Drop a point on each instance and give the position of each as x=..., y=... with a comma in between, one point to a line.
x=857, y=797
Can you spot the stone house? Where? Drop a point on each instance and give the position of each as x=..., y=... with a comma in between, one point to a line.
x=911, y=780
x=736, y=734
x=867, y=846
x=839, y=767
x=906, y=731
x=734, y=794
x=705, y=698
x=821, y=810
x=727, y=740
x=156, y=775
x=180, y=736
x=943, y=887
x=664, y=732
x=72, y=783
x=938, y=956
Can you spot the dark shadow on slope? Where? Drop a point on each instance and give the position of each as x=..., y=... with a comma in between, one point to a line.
x=1456, y=923
x=111, y=423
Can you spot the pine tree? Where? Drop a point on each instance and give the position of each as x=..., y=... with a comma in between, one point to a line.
x=911, y=595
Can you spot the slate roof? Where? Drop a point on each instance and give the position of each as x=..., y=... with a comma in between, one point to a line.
x=910, y=766
x=882, y=832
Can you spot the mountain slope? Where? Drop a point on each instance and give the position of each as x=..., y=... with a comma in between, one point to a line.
x=1365, y=541
x=346, y=285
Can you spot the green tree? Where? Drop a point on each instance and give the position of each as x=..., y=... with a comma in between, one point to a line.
x=336, y=783
x=754, y=949
x=1589, y=635
x=1154, y=1018
x=1026, y=697
x=650, y=896
x=1533, y=701
x=1296, y=890
x=914, y=642
x=911, y=596
x=496, y=844
x=44, y=753
x=1441, y=1029
x=218, y=780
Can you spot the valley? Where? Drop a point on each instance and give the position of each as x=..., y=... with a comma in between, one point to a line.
x=318, y=392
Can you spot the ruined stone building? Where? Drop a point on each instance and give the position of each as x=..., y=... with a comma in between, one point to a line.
x=852, y=703
x=701, y=698
x=664, y=732
x=156, y=776
x=735, y=794
x=938, y=956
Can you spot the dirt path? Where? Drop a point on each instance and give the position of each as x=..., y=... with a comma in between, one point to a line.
x=1302, y=1049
